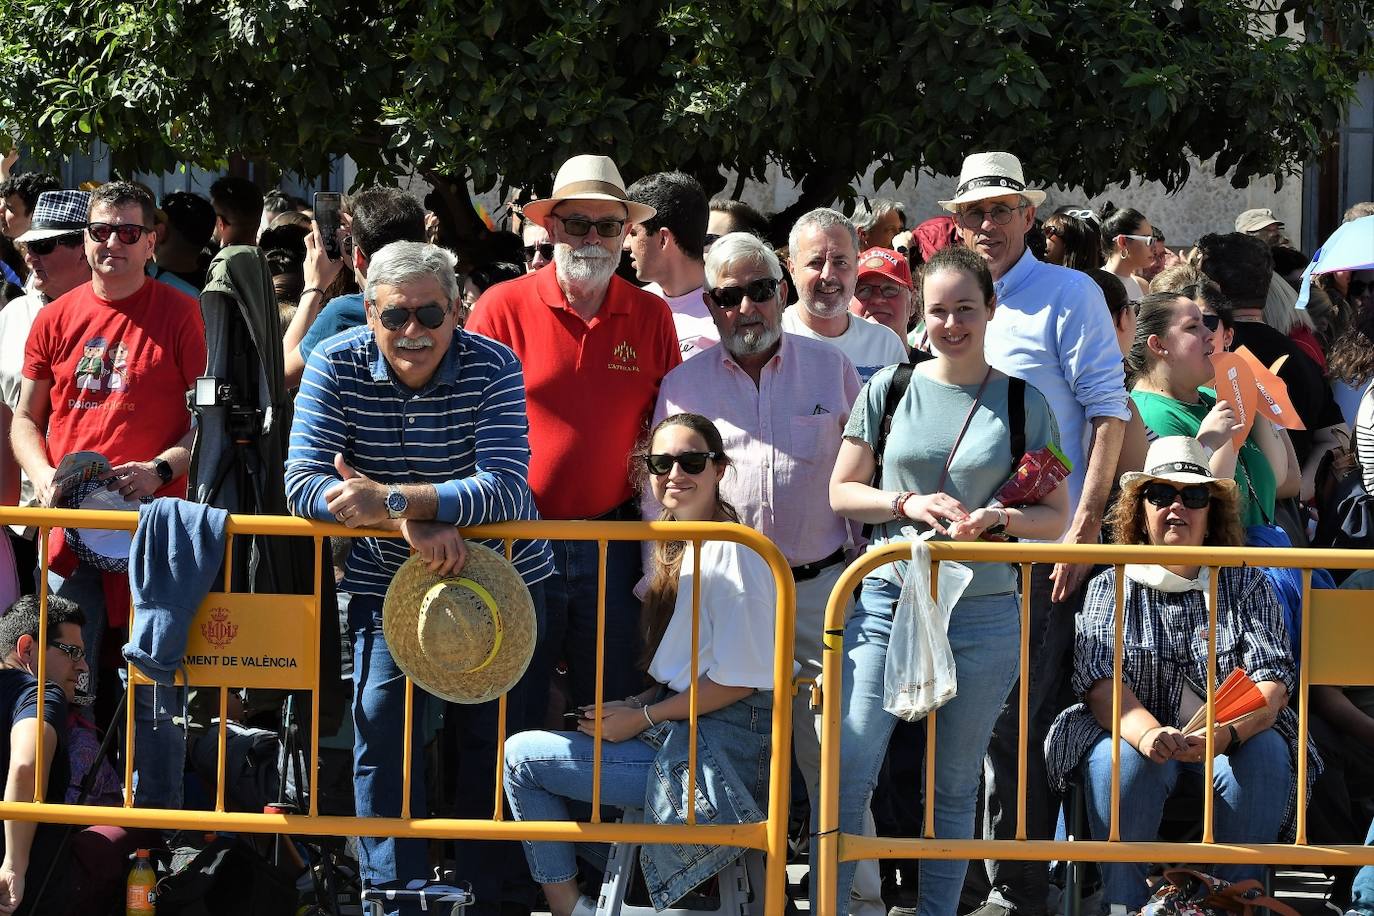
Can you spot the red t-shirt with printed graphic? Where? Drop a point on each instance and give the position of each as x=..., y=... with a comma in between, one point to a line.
x=119, y=371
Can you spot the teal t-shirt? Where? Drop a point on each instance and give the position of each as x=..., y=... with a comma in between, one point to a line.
x=923, y=431
x=1165, y=416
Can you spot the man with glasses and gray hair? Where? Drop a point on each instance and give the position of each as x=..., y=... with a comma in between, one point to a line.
x=594, y=348
x=878, y=220
x=1052, y=329
x=106, y=369
x=411, y=423
x=781, y=402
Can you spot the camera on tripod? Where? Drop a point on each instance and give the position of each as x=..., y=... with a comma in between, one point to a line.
x=243, y=423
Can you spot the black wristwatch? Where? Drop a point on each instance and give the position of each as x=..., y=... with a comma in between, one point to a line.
x=164, y=470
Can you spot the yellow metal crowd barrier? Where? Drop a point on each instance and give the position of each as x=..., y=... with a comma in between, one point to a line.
x=769, y=836
x=1337, y=633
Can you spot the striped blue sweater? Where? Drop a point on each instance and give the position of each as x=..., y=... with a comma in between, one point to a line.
x=465, y=432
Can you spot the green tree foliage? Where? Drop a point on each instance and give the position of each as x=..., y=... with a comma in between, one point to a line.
x=1091, y=92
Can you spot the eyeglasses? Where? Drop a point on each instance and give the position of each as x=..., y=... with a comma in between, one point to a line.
x=578, y=226
x=128, y=233
x=1000, y=215
x=885, y=291
x=44, y=247
x=730, y=297
x=1053, y=232
x=1211, y=321
x=431, y=316
x=1148, y=239
x=692, y=462
x=1162, y=495
x=544, y=250
x=75, y=653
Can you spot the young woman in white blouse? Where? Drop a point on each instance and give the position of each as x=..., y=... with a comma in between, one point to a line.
x=647, y=733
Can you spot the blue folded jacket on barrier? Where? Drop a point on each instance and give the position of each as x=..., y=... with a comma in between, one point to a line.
x=176, y=554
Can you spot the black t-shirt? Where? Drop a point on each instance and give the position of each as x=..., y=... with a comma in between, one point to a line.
x=1307, y=387
x=19, y=701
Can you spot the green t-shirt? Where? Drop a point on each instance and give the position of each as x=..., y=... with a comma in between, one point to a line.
x=923, y=430
x=1255, y=479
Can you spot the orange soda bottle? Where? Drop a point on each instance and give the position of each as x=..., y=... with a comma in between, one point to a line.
x=141, y=891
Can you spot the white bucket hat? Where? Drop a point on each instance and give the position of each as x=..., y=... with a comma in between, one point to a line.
x=987, y=175
x=1177, y=459
x=588, y=177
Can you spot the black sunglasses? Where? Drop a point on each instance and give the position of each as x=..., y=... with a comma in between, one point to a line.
x=545, y=251
x=47, y=246
x=75, y=653
x=431, y=316
x=730, y=297
x=1162, y=495
x=128, y=233
x=1211, y=321
x=578, y=226
x=692, y=462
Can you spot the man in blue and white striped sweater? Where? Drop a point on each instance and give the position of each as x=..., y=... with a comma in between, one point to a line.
x=413, y=424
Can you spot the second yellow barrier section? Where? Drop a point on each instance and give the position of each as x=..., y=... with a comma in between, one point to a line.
x=1337, y=631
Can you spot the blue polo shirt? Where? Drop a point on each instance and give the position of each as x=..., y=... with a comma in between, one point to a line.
x=465, y=432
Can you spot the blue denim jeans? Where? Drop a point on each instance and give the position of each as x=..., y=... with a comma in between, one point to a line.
x=159, y=743
x=1362, y=894
x=546, y=769
x=379, y=722
x=984, y=634
x=570, y=602
x=1249, y=785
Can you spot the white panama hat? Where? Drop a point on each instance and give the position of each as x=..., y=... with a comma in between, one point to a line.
x=588, y=177
x=987, y=175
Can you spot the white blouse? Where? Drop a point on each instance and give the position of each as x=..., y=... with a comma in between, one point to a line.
x=737, y=621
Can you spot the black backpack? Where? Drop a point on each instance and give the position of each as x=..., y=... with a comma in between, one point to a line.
x=222, y=877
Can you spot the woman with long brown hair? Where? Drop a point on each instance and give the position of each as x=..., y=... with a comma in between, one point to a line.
x=733, y=672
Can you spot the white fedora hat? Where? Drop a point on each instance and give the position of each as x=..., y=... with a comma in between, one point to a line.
x=987, y=175
x=588, y=177
x=1177, y=459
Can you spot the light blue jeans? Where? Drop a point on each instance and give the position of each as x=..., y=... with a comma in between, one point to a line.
x=984, y=634
x=546, y=769
x=1250, y=787
x=1362, y=894
x=159, y=743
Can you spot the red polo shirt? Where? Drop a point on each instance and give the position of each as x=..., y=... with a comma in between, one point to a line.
x=590, y=386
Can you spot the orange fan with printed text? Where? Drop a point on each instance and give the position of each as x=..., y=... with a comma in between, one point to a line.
x=1238, y=700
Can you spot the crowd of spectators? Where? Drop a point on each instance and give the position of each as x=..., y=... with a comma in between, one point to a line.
x=833, y=383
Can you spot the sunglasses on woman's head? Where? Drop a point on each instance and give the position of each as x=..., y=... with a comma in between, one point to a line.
x=44, y=247
x=730, y=297
x=692, y=462
x=1162, y=495
x=128, y=233
x=431, y=316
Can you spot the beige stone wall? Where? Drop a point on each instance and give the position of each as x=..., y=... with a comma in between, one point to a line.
x=1205, y=204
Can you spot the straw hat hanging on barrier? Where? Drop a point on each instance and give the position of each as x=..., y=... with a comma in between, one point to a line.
x=466, y=638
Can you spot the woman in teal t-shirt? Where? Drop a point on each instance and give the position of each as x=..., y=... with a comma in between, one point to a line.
x=935, y=476
x=1170, y=360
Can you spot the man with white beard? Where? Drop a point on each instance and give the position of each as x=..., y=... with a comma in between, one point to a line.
x=594, y=350
x=823, y=258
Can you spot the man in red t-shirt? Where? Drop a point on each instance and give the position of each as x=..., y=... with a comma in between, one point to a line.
x=106, y=369
x=594, y=349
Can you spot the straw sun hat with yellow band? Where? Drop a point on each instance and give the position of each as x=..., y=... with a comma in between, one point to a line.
x=466, y=638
